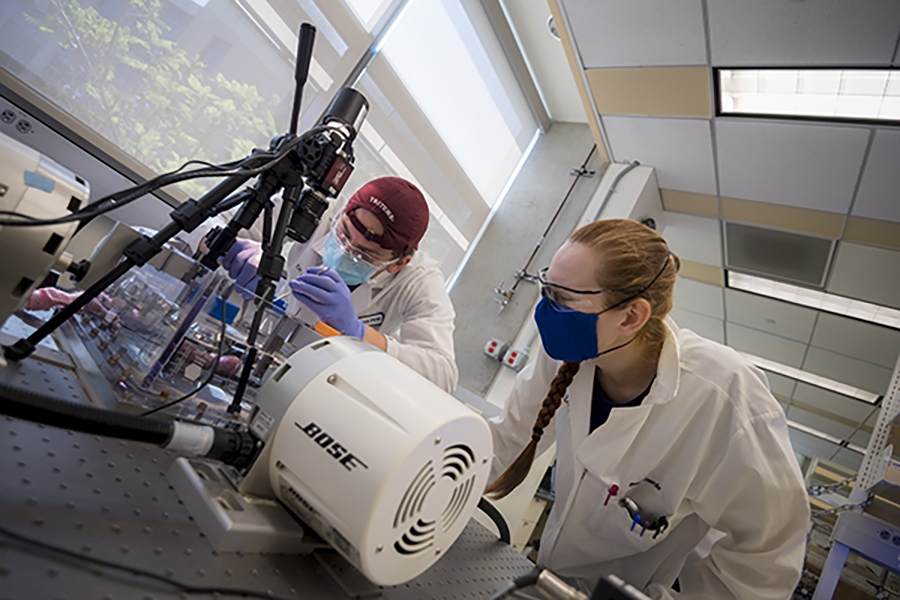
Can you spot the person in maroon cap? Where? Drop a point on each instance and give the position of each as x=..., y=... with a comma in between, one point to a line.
x=361, y=275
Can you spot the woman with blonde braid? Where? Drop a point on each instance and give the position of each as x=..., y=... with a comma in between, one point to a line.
x=673, y=458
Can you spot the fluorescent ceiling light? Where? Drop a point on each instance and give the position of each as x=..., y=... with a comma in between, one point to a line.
x=812, y=379
x=824, y=436
x=815, y=432
x=866, y=94
x=839, y=305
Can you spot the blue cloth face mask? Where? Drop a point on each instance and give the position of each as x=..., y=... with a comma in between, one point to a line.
x=567, y=334
x=570, y=335
x=353, y=270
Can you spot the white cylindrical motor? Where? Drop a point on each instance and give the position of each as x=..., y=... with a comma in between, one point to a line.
x=383, y=464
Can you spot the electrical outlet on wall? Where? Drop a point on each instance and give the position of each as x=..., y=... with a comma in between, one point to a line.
x=515, y=359
x=495, y=348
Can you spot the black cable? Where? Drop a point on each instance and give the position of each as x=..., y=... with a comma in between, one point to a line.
x=212, y=370
x=184, y=587
x=128, y=195
x=39, y=408
x=139, y=190
x=491, y=511
x=518, y=583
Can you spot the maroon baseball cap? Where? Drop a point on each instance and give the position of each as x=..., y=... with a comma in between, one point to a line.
x=400, y=208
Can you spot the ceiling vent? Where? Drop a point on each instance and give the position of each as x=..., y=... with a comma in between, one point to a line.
x=792, y=257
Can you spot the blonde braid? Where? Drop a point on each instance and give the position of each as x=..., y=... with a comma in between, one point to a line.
x=516, y=473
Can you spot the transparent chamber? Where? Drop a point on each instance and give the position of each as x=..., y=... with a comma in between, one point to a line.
x=160, y=331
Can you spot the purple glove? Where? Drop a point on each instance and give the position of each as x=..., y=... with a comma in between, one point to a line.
x=324, y=292
x=242, y=261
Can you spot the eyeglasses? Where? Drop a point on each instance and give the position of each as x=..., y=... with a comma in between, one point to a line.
x=549, y=290
x=342, y=235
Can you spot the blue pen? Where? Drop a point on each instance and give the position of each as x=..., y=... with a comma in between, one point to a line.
x=637, y=519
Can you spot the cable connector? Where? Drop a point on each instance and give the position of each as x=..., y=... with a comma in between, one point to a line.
x=141, y=250
x=189, y=215
x=235, y=448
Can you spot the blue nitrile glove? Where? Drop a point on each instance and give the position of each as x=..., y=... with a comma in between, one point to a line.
x=242, y=261
x=324, y=292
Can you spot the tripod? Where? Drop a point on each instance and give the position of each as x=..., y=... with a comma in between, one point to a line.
x=308, y=170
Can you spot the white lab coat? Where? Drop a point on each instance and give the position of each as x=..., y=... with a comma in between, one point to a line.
x=708, y=448
x=411, y=308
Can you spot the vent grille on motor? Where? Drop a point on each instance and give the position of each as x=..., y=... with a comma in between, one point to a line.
x=456, y=466
x=457, y=461
x=415, y=494
x=457, y=503
x=419, y=537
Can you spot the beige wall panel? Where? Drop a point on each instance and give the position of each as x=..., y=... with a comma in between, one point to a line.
x=702, y=273
x=816, y=222
x=873, y=231
x=578, y=74
x=661, y=91
x=702, y=205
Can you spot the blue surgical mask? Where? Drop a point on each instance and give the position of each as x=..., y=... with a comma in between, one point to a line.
x=353, y=270
x=570, y=335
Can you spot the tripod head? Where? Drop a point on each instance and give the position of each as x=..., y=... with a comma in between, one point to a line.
x=326, y=160
x=317, y=167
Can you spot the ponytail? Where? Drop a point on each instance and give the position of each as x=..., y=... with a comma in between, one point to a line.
x=516, y=473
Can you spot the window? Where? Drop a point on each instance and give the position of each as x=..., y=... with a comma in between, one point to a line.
x=173, y=80
x=825, y=94
x=437, y=53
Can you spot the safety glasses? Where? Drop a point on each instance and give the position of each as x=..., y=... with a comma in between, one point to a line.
x=550, y=290
x=342, y=237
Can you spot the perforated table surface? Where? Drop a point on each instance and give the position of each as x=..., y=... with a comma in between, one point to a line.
x=110, y=500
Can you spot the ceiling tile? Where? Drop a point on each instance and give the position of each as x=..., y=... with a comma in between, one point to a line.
x=772, y=316
x=879, y=191
x=702, y=325
x=781, y=385
x=844, y=369
x=837, y=404
x=810, y=445
x=679, y=149
x=611, y=33
x=865, y=341
x=810, y=166
x=830, y=32
x=700, y=298
x=821, y=423
x=866, y=273
x=861, y=438
x=694, y=238
x=765, y=345
x=807, y=445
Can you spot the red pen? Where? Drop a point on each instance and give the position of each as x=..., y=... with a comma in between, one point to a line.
x=612, y=492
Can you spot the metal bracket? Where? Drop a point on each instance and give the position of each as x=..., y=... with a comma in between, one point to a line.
x=583, y=172
x=522, y=274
